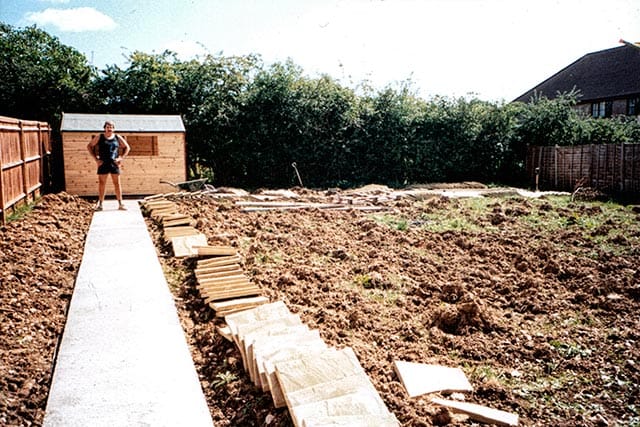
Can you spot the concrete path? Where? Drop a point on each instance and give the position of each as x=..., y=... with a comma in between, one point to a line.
x=123, y=359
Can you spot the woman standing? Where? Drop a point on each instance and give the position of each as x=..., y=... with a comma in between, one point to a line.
x=109, y=161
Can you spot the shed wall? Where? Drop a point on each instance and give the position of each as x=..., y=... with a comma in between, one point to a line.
x=141, y=174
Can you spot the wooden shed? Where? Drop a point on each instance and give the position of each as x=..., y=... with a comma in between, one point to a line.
x=158, y=152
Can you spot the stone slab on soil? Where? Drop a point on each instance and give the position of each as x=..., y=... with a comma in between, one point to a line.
x=422, y=378
x=187, y=245
x=306, y=372
x=282, y=347
x=300, y=349
x=123, y=358
x=331, y=383
x=330, y=390
x=262, y=326
x=480, y=413
x=352, y=421
x=360, y=404
x=278, y=335
x=225, y=308
x=274, y=310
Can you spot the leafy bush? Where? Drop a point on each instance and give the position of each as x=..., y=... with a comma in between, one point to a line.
x=248, y=123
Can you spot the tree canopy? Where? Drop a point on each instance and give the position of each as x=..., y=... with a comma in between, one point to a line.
x=41, y=77
x=248, y=123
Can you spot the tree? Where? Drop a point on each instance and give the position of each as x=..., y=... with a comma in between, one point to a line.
x=41, y=77
x=147, y=86
x=209, y=95
x=384, y=148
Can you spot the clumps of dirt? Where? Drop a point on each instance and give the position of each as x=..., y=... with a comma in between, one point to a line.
x=466, y=316
x=513, y=303
x=40, y=254
x=451, y=185
x=532, y=314
x=588, y=194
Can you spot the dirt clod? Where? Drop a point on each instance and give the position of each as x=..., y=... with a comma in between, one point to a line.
x=537, y=308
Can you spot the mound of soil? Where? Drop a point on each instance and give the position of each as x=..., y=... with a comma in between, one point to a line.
x=39, y=258
x=541, y=318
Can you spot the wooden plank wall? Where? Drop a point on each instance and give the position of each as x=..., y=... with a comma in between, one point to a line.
x=613, y=168
x=141, y=173
x=24, y=146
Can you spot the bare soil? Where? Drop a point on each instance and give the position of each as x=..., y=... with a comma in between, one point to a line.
x=536, y=301
x=39, y=258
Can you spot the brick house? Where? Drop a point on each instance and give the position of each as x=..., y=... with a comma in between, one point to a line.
x=608, y=82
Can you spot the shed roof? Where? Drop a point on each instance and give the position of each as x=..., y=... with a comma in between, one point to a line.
x=74, y=122
x=606, y=74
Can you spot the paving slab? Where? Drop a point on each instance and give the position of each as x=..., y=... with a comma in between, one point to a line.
x=123, y=359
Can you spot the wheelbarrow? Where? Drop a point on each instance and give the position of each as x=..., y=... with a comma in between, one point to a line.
x=193, y=185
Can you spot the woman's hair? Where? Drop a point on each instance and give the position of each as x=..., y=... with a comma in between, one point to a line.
x=108, y=122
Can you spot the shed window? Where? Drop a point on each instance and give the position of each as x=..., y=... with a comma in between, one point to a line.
x=143, y=145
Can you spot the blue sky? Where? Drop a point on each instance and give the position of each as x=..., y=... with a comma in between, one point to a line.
x=493, y=49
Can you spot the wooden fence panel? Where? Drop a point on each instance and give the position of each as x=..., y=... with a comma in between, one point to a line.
x=631, y=169
x=24, y=146
x=612, y=168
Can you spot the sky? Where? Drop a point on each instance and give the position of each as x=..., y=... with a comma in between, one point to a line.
x=493, y=50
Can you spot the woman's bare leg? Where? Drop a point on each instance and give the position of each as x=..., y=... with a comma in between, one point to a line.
x=115, y=178
x=102, y=186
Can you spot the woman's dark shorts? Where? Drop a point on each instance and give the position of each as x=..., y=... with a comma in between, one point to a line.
x=107, y=168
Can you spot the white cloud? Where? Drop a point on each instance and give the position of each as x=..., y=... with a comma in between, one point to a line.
x=186, y=49
x=73, y=20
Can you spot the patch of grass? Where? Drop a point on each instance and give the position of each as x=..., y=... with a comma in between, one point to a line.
x=245, y=242
x=175, y=277
x=548, y=224
x=466, y=216
x=570, y=350
x=392, y=221
x=486, y=374
x=581, y=319
x=21, y=210
x=363, y=280
x=384, y=296
x=436, y=223
x=548, y=378
x=365, y=285
x=262, y=258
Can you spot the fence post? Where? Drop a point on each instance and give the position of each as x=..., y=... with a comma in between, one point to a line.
x=555, y=167
x=597, y=159
x=622, y=166
x=41, y=154
x=23, y=159
x=3, y=210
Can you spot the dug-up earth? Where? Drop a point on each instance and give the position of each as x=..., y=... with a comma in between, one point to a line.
x=535, y=298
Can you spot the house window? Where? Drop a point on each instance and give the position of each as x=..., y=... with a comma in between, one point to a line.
x=143, y=145
x=601, y=109
x=633, y=106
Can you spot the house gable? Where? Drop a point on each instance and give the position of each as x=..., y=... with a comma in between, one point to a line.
x=599, y=76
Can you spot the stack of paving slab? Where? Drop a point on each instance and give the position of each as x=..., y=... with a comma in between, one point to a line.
x=177, y=228
x=179, y=231
x=320, y=385
x=224, y=286
x=221, y=281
